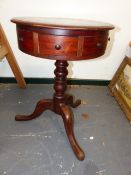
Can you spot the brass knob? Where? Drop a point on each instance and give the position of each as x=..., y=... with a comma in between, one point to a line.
x=57, y=47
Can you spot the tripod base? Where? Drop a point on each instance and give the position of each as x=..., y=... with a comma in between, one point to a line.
x=62, y=109
x=60, y=104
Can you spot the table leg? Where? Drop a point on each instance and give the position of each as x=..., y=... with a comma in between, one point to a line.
x=68, y=117
x=41, y=106
x=69, y=101
x=62, y=102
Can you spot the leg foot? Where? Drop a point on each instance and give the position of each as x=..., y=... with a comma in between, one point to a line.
x=41, y=106
x=67, y=116
x=69, y=101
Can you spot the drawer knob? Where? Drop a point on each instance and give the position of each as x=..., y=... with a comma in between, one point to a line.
x=57, y=47
x=98, y=44
x=21, y=39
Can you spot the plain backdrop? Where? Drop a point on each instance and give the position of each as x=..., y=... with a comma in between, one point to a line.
x=116, y=12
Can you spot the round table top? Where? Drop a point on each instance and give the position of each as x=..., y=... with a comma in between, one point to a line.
x=63, y=23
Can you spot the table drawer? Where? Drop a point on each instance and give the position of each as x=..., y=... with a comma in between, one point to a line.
x=62, y=47
x=25, y=41
x=57, y=45
x=95, y=45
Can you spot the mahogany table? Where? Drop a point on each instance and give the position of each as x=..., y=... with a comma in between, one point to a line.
x=62, y=40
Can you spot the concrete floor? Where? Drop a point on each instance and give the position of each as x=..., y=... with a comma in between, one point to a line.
x=41, y=147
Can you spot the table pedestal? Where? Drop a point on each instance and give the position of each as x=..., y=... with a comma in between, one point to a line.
x=60, y=104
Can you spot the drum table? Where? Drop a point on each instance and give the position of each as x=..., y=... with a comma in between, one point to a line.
x=61, y=40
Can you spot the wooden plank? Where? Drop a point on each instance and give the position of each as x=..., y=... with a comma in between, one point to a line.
x=12, y=60
x=3, y=51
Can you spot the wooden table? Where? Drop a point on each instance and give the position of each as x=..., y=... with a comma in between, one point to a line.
x=61, y=40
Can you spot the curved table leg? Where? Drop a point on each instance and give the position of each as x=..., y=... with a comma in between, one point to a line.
x=69, y=101
x=67, y=116
x=41, y=106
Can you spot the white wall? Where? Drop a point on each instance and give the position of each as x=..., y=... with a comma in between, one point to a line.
x=117, y=12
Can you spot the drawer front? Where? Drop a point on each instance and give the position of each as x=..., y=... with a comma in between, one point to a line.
x=25, y=41
x=57, y=45
x=95, y=45
x=62, y=47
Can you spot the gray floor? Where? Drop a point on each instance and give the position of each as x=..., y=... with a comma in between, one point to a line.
x=40, y=146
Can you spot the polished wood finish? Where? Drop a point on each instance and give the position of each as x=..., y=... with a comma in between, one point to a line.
x=77, y=39
x=63, y=40
x=6, y=51
x=77, y=47
x=57, y=45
